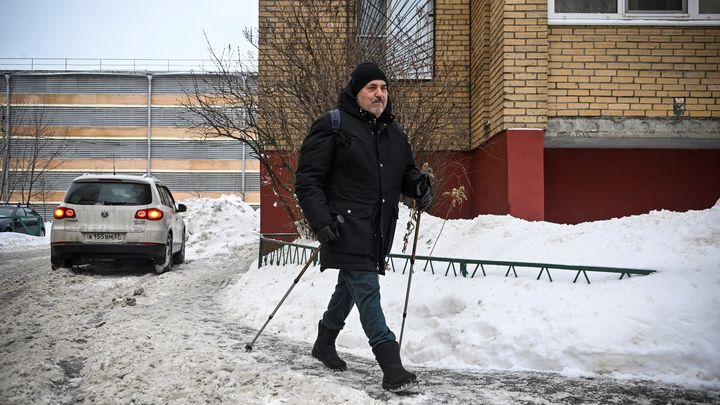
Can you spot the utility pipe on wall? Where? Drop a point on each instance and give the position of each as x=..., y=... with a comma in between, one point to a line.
x=244, y=88
x=243, y=172
x=5, y=192
x=149, y=126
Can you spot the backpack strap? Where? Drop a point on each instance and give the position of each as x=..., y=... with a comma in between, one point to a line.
x=335, y=118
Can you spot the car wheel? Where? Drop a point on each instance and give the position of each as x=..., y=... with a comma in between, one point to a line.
x=58, y=263
x=56, y=260
x=167, y=261
x=179, y=257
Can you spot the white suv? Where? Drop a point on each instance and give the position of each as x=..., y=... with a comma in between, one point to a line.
x=118, y=217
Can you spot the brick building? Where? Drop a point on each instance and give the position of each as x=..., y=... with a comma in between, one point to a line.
x=569, y=110
x=122, y=121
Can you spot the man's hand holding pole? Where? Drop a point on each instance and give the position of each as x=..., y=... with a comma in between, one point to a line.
x=423, y=192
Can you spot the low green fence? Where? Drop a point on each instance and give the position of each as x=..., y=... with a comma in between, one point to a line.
x=278, y=252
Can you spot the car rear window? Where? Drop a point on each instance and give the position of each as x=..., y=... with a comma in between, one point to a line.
x=109, y=193
x=6, y=211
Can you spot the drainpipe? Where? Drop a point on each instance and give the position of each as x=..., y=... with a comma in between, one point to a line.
x=149, y=126
x=243, y=172
x=5, y=192
x=245, y=89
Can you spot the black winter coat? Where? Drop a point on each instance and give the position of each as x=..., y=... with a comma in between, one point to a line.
x=359, y=172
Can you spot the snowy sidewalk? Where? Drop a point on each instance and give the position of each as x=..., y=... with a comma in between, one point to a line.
x=444, y=386
x=110, y=334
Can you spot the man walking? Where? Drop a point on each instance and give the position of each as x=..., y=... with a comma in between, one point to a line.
x=357, y=167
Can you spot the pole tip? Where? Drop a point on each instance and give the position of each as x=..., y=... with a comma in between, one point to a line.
x=248, y=348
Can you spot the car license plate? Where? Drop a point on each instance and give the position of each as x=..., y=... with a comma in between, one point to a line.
x=103, y=237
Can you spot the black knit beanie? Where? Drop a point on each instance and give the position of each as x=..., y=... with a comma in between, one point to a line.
x=363, y=74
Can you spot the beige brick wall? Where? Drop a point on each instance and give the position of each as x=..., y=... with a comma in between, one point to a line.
x=633, y=71
x=452, y=59
x=509, y=66
x=275, y=15
x=526, y=63
x=286, y=28
x=515, y=71
x=452, y=62
x=480, y=61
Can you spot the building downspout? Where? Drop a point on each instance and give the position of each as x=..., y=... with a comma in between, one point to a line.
x=149, y=126
x=5, y=192
x=243, y=172
x=242, y=186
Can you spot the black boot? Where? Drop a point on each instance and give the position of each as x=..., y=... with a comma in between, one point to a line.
x=395, y=377
x=324, y=349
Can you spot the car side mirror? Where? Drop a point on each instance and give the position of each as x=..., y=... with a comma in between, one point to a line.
x=181, y=208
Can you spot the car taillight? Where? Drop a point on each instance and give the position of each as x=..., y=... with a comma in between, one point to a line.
x=152, y=214
x=63, y=212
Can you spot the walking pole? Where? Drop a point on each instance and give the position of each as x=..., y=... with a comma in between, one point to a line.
x=248, y=347
x=412, y=264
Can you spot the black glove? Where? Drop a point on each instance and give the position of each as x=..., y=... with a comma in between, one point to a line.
x=330, y=233
x=424, y=193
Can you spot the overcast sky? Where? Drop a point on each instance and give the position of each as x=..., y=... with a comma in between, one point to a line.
x=128, y=29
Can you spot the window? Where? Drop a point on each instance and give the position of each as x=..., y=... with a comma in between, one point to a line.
x=667, y=12
x=657, y=6
x=709, y=7
x=166, y=197
x=585, y=6
x=398, y=33
x=110, y=193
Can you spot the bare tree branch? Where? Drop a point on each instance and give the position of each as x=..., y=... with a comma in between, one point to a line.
x=36, y=150
x=306, y=53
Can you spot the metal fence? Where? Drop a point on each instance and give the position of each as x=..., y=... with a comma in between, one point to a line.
x=278, y=252
x=116, y=64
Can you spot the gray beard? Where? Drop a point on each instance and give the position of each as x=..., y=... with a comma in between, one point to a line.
x=377, y=111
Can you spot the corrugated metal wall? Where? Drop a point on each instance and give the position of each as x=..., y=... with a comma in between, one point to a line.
x=64, y=83
x=79, y=84
x=193, y=182
x=78, y=148
x=107, y=117
x=84, y=116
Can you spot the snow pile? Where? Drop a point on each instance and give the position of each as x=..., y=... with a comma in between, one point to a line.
x=217, y=227
x=663, y=327
x=13, y=241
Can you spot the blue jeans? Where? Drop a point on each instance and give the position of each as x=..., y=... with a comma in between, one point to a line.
x=360, y=288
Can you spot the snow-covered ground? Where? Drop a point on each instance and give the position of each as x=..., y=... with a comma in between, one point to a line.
x=663, y=327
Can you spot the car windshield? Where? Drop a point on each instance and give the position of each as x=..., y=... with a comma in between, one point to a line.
x=108, y=193
x=6, y=211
